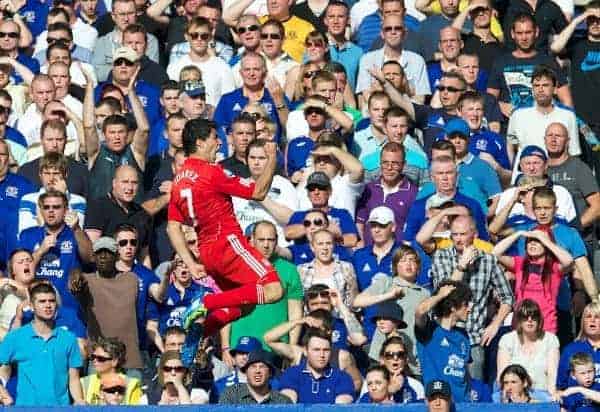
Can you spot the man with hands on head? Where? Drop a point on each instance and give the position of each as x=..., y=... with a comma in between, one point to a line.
x=59, y=245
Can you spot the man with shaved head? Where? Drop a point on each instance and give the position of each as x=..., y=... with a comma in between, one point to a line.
x=105, y=214
x=450, y=45
x=576, y=176
x=483, y=273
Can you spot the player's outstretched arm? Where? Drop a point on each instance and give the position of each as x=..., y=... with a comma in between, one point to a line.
x=263, y=183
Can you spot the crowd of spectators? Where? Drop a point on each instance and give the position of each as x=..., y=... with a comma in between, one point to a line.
x=433, y=217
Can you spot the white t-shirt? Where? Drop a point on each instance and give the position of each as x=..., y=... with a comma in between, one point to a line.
x=30, y=125
x=564, y=202
x=248, y=212
x=344, y=194
x=527, y=126
x=216, y=76
x=297, y=126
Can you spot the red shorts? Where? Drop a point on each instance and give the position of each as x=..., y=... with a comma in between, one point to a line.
x=233, y=262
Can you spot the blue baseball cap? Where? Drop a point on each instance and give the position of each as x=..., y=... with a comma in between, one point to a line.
x=193, y=88
x=533, y=150
x=457, y=126
x=247, y=344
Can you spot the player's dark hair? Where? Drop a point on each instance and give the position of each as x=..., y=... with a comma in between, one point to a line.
x=196, y=129
x=459, y=297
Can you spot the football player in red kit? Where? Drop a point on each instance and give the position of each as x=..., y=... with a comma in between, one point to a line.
x=201, y=197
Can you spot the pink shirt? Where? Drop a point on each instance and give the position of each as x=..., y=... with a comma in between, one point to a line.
x=534, y=290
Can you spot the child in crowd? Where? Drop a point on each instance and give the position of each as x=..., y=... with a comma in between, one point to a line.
x=585, y=397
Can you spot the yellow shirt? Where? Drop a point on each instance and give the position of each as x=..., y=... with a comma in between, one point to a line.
x=296, y=30
x=479, y=244
x=91, y=390
x=495, y=27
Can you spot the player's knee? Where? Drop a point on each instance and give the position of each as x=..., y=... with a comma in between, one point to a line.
x=273, y=292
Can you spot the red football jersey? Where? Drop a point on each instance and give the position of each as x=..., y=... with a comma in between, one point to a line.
x=201, y=197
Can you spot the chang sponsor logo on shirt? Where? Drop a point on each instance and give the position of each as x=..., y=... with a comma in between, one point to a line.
x=591, y=61
x=455, y=366
x=50, y=266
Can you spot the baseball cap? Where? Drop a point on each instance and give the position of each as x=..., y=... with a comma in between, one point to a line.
x=318, y=179
x=457, y=126
x=533, y=150
x=382, y=215
x=110, y=380
x=106, y=243
x=260, y=355
x=438, y=387
x=390, y=310
x=436, y=200
x=193, y=88
x=126, y=53
x=246, y=344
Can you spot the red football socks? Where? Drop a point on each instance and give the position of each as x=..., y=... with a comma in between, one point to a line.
x=250, y=294
x=219, y=318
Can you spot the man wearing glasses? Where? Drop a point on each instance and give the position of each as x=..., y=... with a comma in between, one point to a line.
x=585, y=63
x=123, y=14
x=10, y=33
x=248, y=32
x=216, y=74
x=279, y=63
x=393, y=33
x=341, y=223
x=59, y=245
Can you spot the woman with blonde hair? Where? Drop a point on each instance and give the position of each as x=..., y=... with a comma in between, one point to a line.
x=588, y=341
x=317, y=56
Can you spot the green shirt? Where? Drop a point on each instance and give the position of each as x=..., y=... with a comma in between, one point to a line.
x=265, y=317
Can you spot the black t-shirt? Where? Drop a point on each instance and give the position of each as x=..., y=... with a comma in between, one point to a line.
x=236, y=167
x=487, y=52
x=77, y=175
x=104, y=214
x=547, y=14
x=160, y=246
x=585, y=80
x=303, y=11
x=152, y=72
x=512, y=76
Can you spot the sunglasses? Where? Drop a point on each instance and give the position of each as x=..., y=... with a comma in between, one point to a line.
x=389, y=29
x=10, y=35
x=314, y=110
x=170, y=369
x=322, y=293
x=115, y=390
x=5, y=110
x=592, y=20
x=311, y=74
x=120, y=62
x=53, y=207
x=253, y=116
x=315, y=43
x=378, y=225
x=55, y=39
x=242, y=30
x=394, y=355
x=479, y=10
x=272, y=36
x=316, y=222
x=99, y=358
x=202, y=35
x=449, y=89
x=125, y=242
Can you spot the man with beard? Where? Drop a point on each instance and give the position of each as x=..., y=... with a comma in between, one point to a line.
x=585, y=62
x=509, y=79
x=108, y=299
x=259, y=369
x=59, y=245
